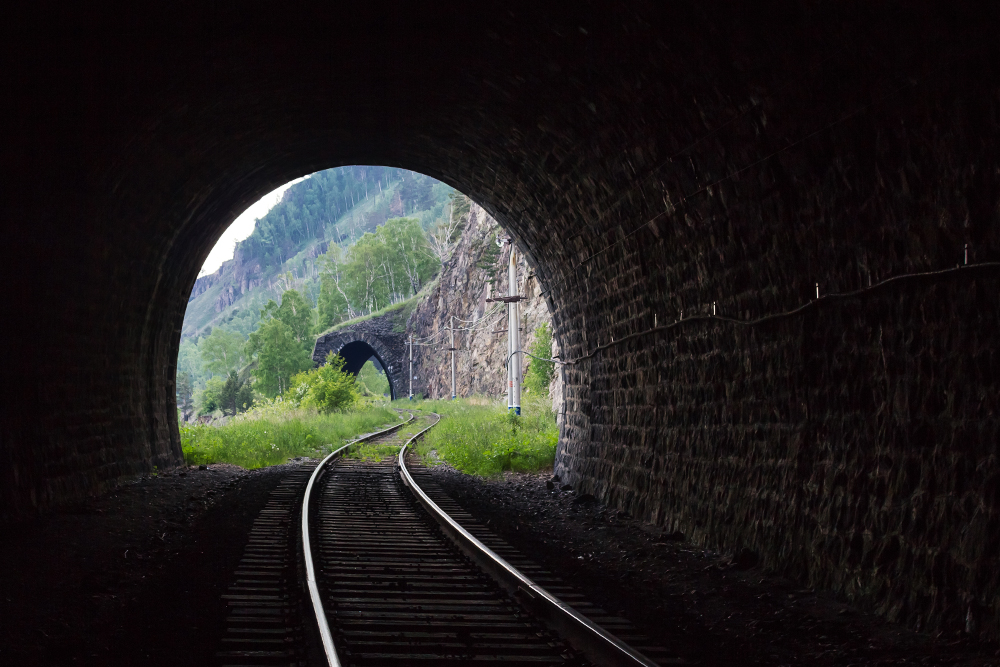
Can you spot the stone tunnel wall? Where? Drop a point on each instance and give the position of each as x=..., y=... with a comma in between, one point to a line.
x=852, y=444
x=649, y=158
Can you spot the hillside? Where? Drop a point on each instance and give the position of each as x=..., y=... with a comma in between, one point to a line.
x=336, y=205
x=332, y=206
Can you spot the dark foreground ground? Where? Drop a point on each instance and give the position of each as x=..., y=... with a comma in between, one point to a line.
x=136, y=577
x=132, y=578
x=712, y=608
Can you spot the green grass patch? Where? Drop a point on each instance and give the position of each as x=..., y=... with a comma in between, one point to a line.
x=272, y=434
x=481, y=437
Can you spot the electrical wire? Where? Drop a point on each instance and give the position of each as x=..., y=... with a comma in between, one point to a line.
x=981, y=267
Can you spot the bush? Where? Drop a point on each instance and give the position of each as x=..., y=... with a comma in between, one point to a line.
x=328, y=388
x=482, y=438
x=540, y=373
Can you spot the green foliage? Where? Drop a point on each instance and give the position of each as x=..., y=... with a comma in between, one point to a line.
x=295, y=312
x=274, y=432
x=189, y=361
x=328, y=388
x=482, y=438
x=332, y=306
x=236, y=395
x=373, y=381
x=185, y=393
x=279, y=356
x=540, y=373
x=329, y=209
x=389, y=265
x=222, y=352
x=207, y=400
x=385, y=448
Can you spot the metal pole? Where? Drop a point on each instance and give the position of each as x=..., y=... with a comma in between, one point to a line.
x=514, y=384
x=510, y=385
x=411, y=367
x=453, y=357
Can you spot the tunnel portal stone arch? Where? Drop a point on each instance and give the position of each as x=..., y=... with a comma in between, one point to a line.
x=359, y=343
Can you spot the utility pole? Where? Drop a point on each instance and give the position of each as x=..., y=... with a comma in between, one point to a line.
x=513, y=337
x=453, y=357
x=411, y=367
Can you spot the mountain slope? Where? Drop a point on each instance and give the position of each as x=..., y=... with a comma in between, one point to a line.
x=336, y=205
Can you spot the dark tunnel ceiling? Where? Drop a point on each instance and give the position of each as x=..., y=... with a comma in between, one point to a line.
x=649, y=158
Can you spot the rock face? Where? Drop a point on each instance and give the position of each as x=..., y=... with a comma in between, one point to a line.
x=475, y=270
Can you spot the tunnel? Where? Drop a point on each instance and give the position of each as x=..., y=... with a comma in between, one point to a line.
x=768, y=235
x=356, y=354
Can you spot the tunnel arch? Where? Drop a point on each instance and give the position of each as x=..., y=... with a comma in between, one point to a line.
x=358, y=343
x=719, y=157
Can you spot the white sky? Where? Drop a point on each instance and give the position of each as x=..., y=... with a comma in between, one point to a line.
x=241, y=228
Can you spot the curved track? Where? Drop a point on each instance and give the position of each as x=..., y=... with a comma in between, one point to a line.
x=394, y=580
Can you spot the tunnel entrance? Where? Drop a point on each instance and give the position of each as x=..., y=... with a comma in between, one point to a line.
x=318, y=253
x=716, y=198
x=358, y=353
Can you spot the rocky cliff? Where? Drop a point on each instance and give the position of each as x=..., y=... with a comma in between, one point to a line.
x=475, y=270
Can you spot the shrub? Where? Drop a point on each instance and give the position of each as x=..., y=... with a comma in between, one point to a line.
x=540, y=373
x=328, y=388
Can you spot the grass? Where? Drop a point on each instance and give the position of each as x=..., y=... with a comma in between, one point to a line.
x=382, y=450
x=272, y=434
x=480, y=437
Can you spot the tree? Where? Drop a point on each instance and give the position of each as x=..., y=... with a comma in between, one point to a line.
x=332, y=306
x=185, y=392
x=365, y=279
x=409, y=251
x=443, y=237
x=540, y=373
x=295, y=312
x=207, y=400
x=222, y=351
x=328, y=388
x=278, y=354
x=235, y=396
x=389, y=265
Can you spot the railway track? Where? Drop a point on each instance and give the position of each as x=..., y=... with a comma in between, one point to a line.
x=391, y=579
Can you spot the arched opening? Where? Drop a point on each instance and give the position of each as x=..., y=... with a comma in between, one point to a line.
x=332, y=248
x=357, y=354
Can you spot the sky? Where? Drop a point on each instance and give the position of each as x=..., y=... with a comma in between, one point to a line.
x=241, y=228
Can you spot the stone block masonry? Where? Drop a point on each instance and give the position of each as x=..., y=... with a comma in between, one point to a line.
x=648, y=159
x=358, y=342
x=854, y=446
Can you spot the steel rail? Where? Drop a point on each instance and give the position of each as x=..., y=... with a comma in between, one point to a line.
x=600, y=646
x=317, y=603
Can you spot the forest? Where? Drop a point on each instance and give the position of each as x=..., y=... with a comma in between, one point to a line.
x=343, y=243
